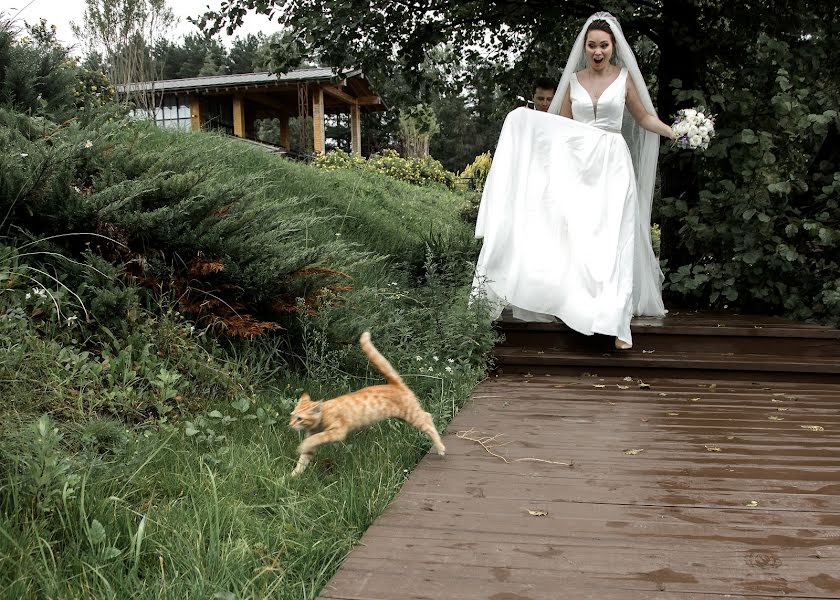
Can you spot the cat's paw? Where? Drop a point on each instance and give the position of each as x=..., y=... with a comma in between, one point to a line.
x=441, y=451
x=297, y=471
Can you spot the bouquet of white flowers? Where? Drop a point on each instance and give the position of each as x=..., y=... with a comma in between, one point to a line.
x=693, y=129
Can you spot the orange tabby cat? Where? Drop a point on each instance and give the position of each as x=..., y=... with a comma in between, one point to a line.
x=331, y=420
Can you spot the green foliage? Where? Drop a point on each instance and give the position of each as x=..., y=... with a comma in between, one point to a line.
x=416, y=170
x=763, y=233
x=417, y=126
x=161, y=468
x=36, y=74
x=475, y=174
x=93, y=91
x=167, y=442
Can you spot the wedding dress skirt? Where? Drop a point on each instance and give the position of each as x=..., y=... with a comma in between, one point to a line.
x=559, y=221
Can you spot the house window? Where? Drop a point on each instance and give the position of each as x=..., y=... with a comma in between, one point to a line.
x=172, y=112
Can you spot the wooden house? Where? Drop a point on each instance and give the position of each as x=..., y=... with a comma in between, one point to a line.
x=232, y=103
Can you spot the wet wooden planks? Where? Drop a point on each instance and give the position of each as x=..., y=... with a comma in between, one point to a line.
x=735, y=493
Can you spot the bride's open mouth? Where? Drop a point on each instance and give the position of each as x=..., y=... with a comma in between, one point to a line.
x=598, y=60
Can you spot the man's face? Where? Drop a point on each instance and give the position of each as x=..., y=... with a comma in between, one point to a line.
x=543, y=98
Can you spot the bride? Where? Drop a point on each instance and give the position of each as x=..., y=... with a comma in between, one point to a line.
x=565, y=213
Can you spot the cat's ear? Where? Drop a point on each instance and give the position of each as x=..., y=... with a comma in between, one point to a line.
x=315, y=409
x=304, y=398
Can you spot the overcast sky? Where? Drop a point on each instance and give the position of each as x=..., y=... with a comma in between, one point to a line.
x=63, y=12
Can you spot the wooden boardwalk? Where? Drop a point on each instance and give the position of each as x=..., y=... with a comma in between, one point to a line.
x=625, y=486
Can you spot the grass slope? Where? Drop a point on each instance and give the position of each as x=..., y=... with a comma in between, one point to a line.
x=150, y=460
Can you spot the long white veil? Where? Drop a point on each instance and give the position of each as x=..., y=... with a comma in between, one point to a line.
x=644, y=150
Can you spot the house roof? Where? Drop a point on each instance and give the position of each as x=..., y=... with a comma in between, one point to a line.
x=220, y=82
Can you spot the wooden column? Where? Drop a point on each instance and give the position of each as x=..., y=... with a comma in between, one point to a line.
x=318, y=138
x=239, y=116
x=196, y=118
x=284, y=130
x=355, y=129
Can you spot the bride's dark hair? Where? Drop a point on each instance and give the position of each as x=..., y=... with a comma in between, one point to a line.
x=601, y=25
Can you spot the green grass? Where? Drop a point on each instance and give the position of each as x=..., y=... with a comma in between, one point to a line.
x=217, y=518
x=162, y=469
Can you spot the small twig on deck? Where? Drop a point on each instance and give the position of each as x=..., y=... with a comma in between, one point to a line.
x=465, y=435
x=551, y=462
x=486, y=441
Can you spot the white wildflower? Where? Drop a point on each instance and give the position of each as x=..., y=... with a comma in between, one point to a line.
x=418, y=358
x=28, y=295
x=435, y=358
x=23, y=155
x=431, y=369
x=39, y=291
x=450, y=360
x=88, y=144
x=448, y=369
x=71, y=320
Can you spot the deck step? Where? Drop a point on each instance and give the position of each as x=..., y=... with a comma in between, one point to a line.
x=762, y=337
x=679, y=345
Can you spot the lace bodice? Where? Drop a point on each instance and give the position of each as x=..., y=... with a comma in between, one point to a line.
x=608, y=113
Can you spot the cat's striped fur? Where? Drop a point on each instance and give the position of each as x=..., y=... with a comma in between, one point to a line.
x=331, y=420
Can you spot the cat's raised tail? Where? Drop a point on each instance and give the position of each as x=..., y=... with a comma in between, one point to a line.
x=379, y=361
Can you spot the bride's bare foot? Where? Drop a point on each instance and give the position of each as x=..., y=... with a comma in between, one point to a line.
x=622, y=345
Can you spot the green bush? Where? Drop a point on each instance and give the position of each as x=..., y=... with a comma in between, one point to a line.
x=762, y=233
x=418, y=171
x=475, y=174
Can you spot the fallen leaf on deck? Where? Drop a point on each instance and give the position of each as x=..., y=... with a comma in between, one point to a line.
x=644, y=419
x=776, y=400
x=628, y=379
x=751, y=504
x=713, y=387
x=782, y=408
x=648, y=351
x=623, y=387
x=713, y=449
x=673, y=414
x=537, y=513
x=813, y=427
x=598, y=385
x=694, y=399
x=644, y=386
x=634, y=451
x=776, y=418
x=662, y=394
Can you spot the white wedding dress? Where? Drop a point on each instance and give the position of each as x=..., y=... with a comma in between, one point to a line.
x=560, y=219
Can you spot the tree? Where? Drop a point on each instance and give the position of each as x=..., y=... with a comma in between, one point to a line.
x=124, y=31
x=36, y=72
x=245, y=55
